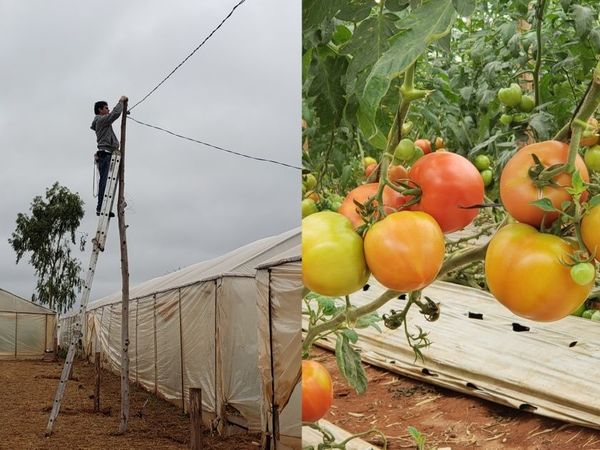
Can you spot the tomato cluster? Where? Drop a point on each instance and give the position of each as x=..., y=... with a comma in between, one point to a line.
x=404, y=249
x=517, y=105
x=553, y=279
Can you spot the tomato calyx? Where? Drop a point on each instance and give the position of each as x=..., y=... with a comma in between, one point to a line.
x=429, y=309
x=543, y=176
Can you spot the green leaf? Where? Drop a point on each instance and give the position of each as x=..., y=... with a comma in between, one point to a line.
x=545, y=204
x=423, y=26
x=595, y=201
x=594, y=38
x=314, y=12
x=328, y=90
x=355, y=10
x=369, y=42
x=464, y=8
x=327, y=304
x=584, y=19
x=349, y=364
x=351, y=335
x=375, y=137
x=578, y=186
x=368, y=321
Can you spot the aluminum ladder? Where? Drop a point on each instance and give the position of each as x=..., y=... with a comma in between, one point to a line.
x=98, y=246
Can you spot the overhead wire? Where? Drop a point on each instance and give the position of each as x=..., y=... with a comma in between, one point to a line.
x=214, y=146
x=189, y=56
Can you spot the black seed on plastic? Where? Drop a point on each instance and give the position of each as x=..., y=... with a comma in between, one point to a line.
x=366, y=287
x=402, y=297
x=573, y=344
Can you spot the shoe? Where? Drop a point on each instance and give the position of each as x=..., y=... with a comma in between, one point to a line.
x=111, y=214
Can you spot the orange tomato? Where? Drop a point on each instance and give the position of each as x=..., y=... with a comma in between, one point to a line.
x=397, y=173
x=524, y=271
x=424, y=144
x=517, y=190
x=369, y=169
x=392, y=200
x=405, y=251
x=590, y=231
x=317, y=391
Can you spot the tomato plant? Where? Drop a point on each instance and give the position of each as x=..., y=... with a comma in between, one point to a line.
x=451, y=189
x=518, y=190
x=405, y=250
x=317, y=391
x=524, y=270
x=333, y=261
x=392, y=200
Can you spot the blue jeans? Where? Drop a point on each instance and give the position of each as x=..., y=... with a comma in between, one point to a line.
x=103, y=166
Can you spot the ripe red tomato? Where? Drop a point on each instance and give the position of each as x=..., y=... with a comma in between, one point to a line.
x=449, y=183
x=317, y=391
x=590, y=231
x=524, y=271
x=424, y=144
x=405, y=250
x=333, y=261
x=517, y=190
x=392, y=200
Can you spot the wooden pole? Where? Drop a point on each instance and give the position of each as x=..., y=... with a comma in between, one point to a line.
x=196, y=418
x=125, y=282
x=97, y=389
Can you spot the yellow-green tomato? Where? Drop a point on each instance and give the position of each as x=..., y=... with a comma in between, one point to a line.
x=333, y=259
x=308, y=207
x=310, y=180
x=592, y=158
x=525, y=272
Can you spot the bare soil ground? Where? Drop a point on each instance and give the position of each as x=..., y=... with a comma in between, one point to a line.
x=448, y=419
x=27, y=390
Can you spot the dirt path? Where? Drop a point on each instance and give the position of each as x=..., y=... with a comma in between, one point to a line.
x=27, y=389
x=449, y=420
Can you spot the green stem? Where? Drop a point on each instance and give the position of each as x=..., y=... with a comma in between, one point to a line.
x=587, y=107
x=351, y=315
x=538, y=62
x=462, y=258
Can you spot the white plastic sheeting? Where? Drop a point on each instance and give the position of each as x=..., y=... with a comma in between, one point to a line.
x=549, y=370
x=279, y=284
x=194, y=328
x=26, y=329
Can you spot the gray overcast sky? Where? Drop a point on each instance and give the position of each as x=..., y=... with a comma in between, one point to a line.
x=186, y=202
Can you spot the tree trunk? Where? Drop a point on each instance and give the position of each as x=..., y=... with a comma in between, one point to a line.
x=125, y=283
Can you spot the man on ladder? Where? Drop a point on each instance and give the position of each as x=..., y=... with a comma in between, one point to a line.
x=107, y=142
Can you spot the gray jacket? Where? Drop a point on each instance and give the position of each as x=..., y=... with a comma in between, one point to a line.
x=102, y=125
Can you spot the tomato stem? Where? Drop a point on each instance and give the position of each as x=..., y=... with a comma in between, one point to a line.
x=589, y=104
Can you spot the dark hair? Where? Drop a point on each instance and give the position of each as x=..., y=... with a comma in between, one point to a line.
x=98, y=106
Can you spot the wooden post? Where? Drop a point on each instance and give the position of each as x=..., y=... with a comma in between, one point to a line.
x=125, y=283
x=196, y=418
x=97, y=389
